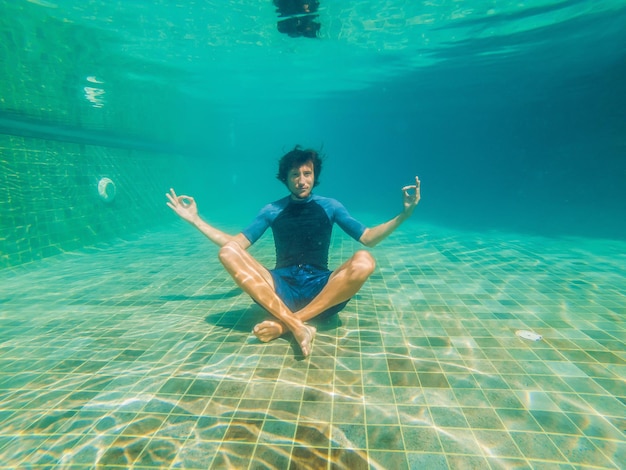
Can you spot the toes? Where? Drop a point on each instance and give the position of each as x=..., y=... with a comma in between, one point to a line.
x=306, y=342
x=267, y=331
x=259, y=327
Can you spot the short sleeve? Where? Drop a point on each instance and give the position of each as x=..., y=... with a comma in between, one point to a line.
x=340, y=215
x=257, y=227
x=263, y=220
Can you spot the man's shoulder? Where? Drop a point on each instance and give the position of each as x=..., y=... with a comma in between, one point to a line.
x=328, y=202
x=275, y=206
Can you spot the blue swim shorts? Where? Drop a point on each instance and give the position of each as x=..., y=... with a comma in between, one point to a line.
x=298, y=285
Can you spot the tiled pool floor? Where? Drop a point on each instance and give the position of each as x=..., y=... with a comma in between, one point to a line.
x=139, y=354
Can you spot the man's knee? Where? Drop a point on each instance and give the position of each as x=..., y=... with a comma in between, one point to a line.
x=228, y=251
x=363, y=264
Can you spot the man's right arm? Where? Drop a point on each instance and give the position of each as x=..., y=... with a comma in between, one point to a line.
x=411, y=197
x=186, y=208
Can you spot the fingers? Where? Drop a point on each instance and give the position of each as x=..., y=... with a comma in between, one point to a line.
x=406, y=194
x=411, y=193
x=171, y=196
x=175, y=200
x=415, y=186
x=406, y=190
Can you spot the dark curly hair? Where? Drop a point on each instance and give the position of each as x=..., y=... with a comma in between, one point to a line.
x=296, y=158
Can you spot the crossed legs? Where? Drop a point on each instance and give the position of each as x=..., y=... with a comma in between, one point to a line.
x=257, y=282
x=342, y=285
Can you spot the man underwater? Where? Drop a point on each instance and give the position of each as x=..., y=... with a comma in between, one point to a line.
x=300, y=287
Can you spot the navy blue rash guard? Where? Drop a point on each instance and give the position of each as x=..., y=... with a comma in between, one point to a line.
x=302, y=229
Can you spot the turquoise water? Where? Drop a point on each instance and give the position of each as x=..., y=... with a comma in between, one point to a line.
x=123, y=344
x=511, y=112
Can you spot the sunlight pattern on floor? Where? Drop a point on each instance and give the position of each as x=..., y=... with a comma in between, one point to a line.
x=141, y=353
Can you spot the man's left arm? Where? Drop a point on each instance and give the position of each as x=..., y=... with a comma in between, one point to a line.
x=411, y=197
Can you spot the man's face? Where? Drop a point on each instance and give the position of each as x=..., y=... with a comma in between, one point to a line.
x=300, y=180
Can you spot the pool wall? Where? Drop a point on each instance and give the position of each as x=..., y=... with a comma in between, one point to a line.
x=49, y=197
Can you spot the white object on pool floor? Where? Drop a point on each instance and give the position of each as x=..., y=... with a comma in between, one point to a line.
x=528, y=335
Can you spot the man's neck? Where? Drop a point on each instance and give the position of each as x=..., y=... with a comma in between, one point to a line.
x=297, y=199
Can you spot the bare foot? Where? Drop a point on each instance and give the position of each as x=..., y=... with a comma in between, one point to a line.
x=305, y=336
x=269, y=330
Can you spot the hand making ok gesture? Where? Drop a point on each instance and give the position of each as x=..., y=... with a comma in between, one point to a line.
x=411, y=196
